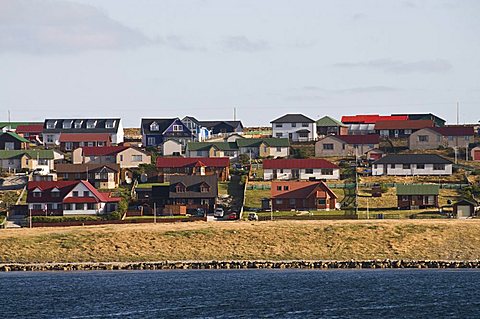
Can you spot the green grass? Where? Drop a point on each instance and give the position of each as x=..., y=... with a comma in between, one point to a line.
x=149, y=185
x=253, y=197
x=223, y=188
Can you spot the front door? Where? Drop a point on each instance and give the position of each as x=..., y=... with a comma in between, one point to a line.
x=295, y=173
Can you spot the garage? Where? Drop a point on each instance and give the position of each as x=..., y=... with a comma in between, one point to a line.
x=464, y=208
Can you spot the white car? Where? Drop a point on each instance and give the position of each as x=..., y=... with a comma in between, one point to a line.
x=218, y=212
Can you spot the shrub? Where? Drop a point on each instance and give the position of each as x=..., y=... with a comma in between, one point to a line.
x=116, y=215
x=60, y=219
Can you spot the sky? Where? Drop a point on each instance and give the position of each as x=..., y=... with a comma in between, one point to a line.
x=265, y=58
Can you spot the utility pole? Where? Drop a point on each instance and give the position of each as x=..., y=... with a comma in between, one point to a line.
x=456, y=154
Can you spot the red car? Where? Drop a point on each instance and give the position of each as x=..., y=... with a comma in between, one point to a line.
x=232, y=215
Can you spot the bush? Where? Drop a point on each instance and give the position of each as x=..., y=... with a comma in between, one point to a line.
x=116, y=215
x=60, y=219
x=2, y=219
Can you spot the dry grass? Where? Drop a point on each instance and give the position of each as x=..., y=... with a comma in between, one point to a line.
x=281, y=240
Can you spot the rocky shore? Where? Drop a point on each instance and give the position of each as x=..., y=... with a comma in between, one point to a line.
x=242, y=264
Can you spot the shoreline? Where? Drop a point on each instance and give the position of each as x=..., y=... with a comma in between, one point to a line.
x=243, y=264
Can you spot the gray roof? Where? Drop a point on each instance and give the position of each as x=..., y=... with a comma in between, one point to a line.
x=417, y=189
x=100, y=125
x=193, y=183
x=412, y=159
x=162, y=123
x=212, y=124
x=293, y=118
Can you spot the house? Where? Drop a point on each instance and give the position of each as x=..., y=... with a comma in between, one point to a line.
x=300, y=195
x=169, y=166
x=13, y=141
x=464, y=208
x=63, y=198
x=438, y=121
x=53, y=128
x=303, y=169
x=416, y=196
x=296, y=127
x=212, y=149
x=401, y=128
x=475, y=153
x=264, y=147
x=365, y=124
x=27, y=160
x=222, y=127
x=32, y=132
x=253, y=147
x=103, y=176
x=412, y=165
x=329, y=126
x=155, y=132
x=186, y=191
x=200, y=132
x=173, y=148
x=125, y=156
x=435, y=137
x=71, y=141
x=346, y=145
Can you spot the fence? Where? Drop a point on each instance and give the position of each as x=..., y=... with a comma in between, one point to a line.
x=362, y=185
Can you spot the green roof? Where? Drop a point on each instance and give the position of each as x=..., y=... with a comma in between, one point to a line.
x=328, y=121
x=46, y=154
x=272, y=142
x=205, y=146
x=16, y=136
x=417, y=189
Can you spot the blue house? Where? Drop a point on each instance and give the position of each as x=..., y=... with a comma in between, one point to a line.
x=155, y=132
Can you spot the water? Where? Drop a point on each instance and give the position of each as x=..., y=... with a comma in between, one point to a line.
x=242, y=294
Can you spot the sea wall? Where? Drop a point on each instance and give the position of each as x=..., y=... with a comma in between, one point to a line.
x=243, y=264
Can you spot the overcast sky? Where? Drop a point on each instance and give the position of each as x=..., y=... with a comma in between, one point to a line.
x=156, y=58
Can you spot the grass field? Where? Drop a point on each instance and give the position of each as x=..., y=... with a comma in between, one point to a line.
x=278, y=240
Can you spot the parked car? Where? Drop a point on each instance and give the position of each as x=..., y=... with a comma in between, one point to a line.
x=218, y=212
x=252, y=216
x=232, y=215
x=199, y=212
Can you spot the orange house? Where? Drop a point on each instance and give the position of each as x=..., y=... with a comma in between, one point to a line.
x=299, y=195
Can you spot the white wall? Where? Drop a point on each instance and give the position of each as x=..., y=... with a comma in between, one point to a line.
x=287, y=128
x=170, y=147
x=284, y=152
x=287, y=174
x=379, y=169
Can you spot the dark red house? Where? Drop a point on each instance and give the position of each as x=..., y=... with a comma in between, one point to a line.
x=298, y=195
x=168, y=166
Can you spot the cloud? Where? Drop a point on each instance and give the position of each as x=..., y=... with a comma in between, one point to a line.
x=179, y=43
x=40, y=27
x=353, y=90
x=397, y=66
x=243, y=44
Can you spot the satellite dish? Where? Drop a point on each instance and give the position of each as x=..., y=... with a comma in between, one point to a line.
x=143, y=178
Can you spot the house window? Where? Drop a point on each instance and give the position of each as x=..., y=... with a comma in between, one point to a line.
x=68, y=146
x=136, y=158
x=55, y=193
x=78, y=124
x=279, y=149
x=438, y=167
x=285, y=188
x=177, y=128
x=204, y=189
x=406, y=166
x=37, y=193
x=151, y=141
x=180, y=189
x=327, y=171
x=467, y=138
x=49, y=138
x=91, y=206
x=11, y=162
x=42, y=161
x=80, y=206
x=404, y=198
x=67, y=124
x=279, y=201
x=204, y=201
x=294, y=124
x=90, y=144
x=407, y=132
x=37, y=206
x=304, y=124
x=9, y=146
x=292, y=201
x=279, y=135
x=423, y=138
x=450, y=138
x=110, y=124
x=154, y=126
x=67, y=207
x=100, y=143
x=328, y=146
x=393, y=166
x=278, y=125
x=322, y=201
x=420, y=166
x=309, y=171
x=86, y=194
x=91, y=124
x=75, y=193
x=279, y=188
x=51, y=124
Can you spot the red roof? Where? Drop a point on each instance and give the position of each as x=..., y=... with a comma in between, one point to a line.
x=402, y=125
x=30, y=128
x=64, y=188
x=85, y=137
x=102, y=150
x=359, y=139
x=297, y=163
x=455, y=130
x=371, y=119
x=173, y=162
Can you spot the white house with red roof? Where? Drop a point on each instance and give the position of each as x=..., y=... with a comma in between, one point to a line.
x=300, y=169
x=61, y=198
x=125, y=156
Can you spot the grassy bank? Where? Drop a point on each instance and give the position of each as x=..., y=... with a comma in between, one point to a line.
x=280, y=240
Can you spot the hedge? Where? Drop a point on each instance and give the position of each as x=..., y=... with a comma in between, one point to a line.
x=59, y=219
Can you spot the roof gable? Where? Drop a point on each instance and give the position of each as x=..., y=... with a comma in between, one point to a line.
x=327, y=121
x=293, y=118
